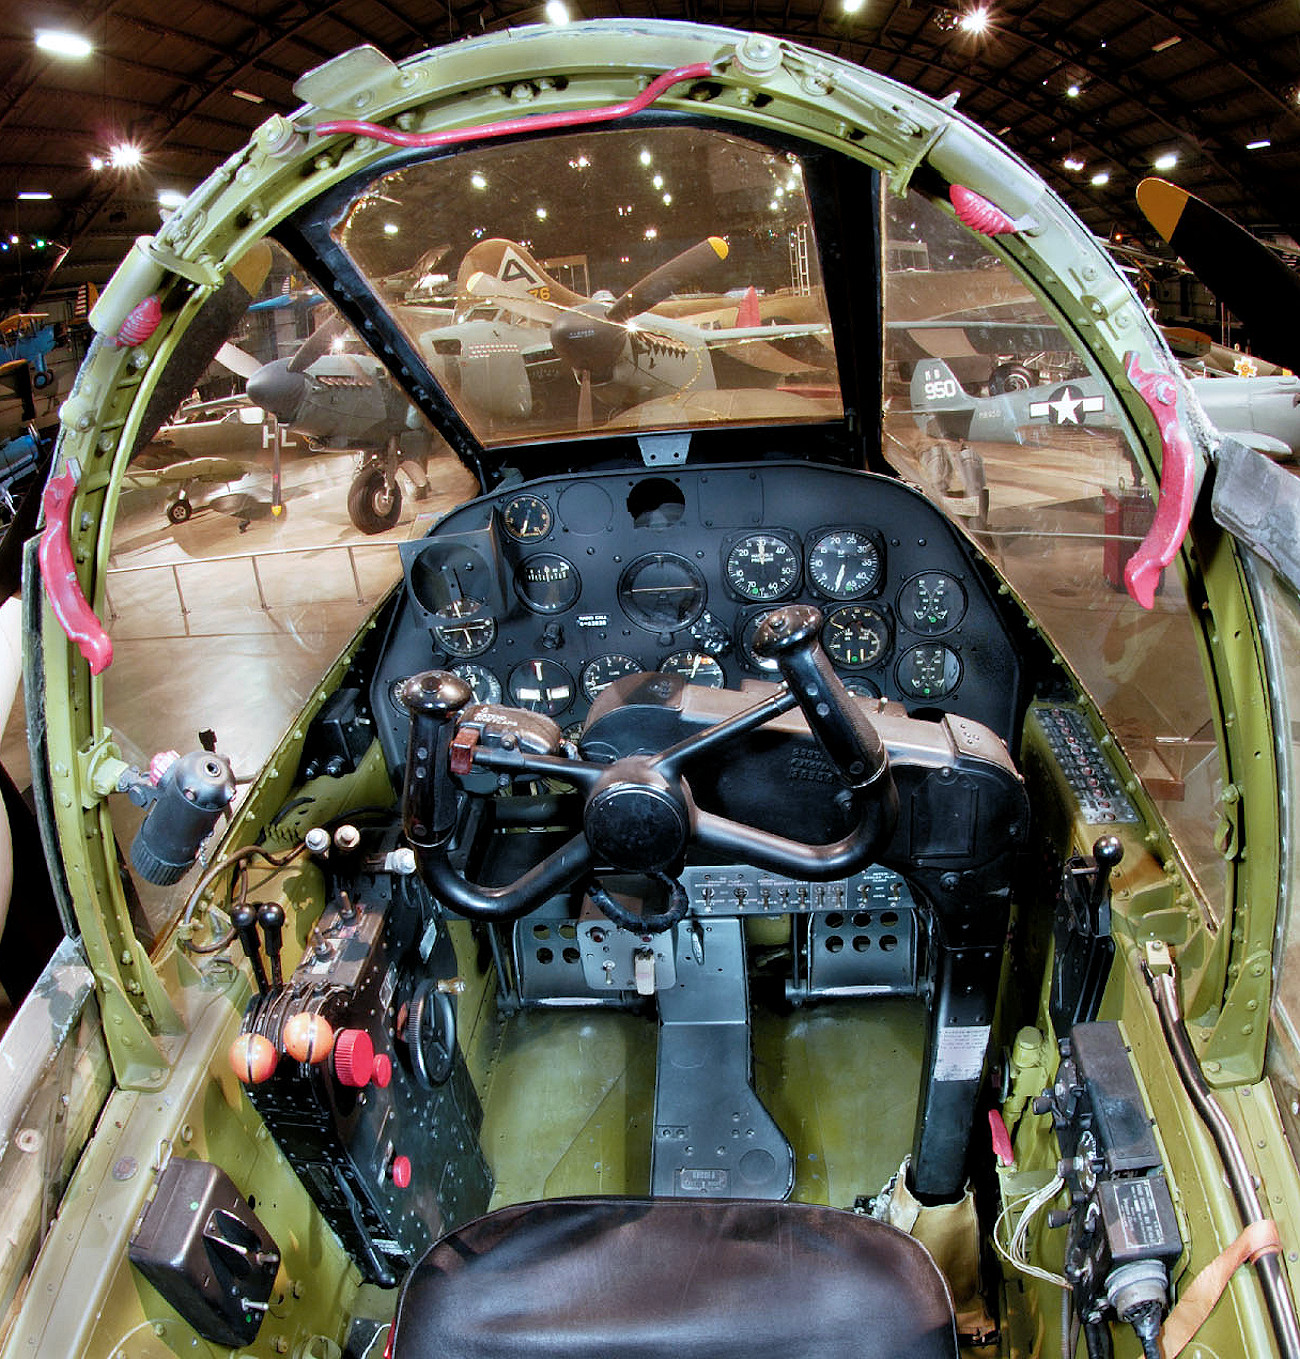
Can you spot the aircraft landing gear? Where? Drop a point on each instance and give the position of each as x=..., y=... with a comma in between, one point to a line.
x=180, y=510
x=374, y=498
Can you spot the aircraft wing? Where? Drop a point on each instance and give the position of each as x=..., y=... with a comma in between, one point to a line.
x=183, y=471
x=1262, y=443
x=958, y=339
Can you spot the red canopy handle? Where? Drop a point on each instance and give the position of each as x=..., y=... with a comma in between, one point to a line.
x=1174, y=511
x=62, y=587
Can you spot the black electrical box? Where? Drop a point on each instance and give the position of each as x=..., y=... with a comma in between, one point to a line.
x=204, y=1249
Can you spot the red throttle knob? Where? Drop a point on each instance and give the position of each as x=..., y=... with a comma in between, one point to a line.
x=253, y=1058
x=402, y=1171
x=354, y=1057
x=383, y=1070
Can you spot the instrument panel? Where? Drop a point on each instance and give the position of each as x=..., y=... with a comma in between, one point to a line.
x=543, y=597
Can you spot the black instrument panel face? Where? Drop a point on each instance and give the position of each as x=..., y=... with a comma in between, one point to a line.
x=558, y=591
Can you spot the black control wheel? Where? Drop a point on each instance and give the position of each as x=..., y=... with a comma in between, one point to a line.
x=430, y=1035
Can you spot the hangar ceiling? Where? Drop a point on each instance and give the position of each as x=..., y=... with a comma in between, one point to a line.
x=1090, y=93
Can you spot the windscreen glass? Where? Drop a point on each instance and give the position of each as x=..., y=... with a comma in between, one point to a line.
x=616, y=280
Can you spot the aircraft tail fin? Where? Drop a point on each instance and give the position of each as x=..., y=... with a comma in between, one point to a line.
x=934, y=389
x=748, y=315
x=515, y=267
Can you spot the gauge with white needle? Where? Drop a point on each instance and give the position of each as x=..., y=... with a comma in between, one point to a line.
x=540, y=685
x=844, y=564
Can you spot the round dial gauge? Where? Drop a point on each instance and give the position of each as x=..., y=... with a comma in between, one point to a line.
x=931, y=603
x=547, y=583
x=695, y=667
x=855, y=636
x=710, y=635
x=662, y=592
x=762, y=566
x=844, y=564
x=766, y=664
x=483, y=684
x=864, y=688
x=526, y=517
x=928, y=672
x=541, y=686
x=604, y=670
x=462, y=628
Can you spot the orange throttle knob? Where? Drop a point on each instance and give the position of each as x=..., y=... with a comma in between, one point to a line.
x=308, y=1037
x=383, y=1071
x=253, y=1058
x=354, y=1058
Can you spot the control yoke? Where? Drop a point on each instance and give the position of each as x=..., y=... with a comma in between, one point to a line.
x=638, y=815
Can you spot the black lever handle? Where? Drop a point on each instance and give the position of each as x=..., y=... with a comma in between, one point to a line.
x=244, y=919
x=433, y=699
x=270, y=915
x=1107, y=851
x=789, y=637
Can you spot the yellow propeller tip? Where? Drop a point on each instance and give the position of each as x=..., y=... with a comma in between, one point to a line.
x=277, y=510
x=719, y=246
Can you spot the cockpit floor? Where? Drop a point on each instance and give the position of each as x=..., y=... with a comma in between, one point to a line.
x=569, y=1098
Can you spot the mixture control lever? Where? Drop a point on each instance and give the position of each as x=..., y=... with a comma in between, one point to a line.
x=270, y=915
x=789, y=636
x=244, y=919
x=433, y=698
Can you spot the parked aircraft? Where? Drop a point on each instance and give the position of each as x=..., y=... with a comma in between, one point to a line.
x=22, y=337
x=1261, y=412
x=706, y=900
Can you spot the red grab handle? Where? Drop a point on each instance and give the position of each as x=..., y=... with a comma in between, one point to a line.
x=62, y=587
x=1174, y=510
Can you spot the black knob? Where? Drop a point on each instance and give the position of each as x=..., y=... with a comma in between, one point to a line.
x=433, y=699
x=244, y=919
x=789, y=636
x=270, y=915
x=434, y=693
x=1106, y=852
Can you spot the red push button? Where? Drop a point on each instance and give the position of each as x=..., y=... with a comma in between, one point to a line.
x=402, y=1171
x=383, y=1070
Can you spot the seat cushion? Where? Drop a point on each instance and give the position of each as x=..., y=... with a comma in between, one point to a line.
x=597, y=1278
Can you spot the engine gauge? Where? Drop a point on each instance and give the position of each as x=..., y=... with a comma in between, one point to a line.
x=662, y=592
x=855, y=636
x=928, y=671
x=931, y=603
x=483, y=684
x=844, y=563
x=604, y=670
x=762, y=566
x=463, y=628
x=547, y=583
x=526, y=517
x=767, y=664
x=541, y=686
x=695, y=667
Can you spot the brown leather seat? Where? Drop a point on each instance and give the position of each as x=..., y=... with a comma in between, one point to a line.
x=674, y=1279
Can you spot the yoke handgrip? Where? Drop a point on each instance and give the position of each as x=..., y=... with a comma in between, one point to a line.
x=434, y=699
x=789, y=637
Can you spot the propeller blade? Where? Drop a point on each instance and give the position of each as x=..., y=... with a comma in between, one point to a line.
x=317, y=343
x=277, y=453
x=584, y=400
x=664, y=281
x=237, y=361
x=1240, y=270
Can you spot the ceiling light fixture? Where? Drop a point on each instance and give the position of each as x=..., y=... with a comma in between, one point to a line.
x=478, y=181
x=125, y=156
x=1073, y=91
x=391, y=228
x=1166, y=43
x=34, y=196
x=170, y=198
x=975, y=21
x=248, y=96
x=97, y=163
x=1166, y=160
x=1099, y=179
x=1073, y=163
x=61, y=43
x=852, y=6
x=1259, y=144
x=557, y=12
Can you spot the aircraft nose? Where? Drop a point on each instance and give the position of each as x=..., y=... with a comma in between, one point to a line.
x=277, y=388
x=586, y=343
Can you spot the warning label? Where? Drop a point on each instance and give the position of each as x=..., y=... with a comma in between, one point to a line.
x=959, y=1053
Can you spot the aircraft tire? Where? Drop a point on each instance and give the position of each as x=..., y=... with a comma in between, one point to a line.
x=179, y=512
x=371, y=506
x=1010, y=377
x=42, y=379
